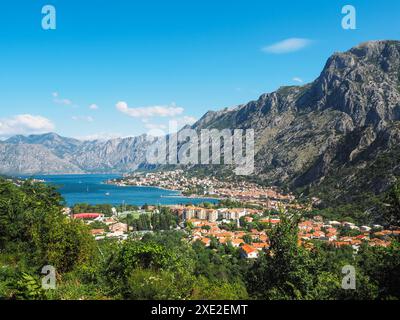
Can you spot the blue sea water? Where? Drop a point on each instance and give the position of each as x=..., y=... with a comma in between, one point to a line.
x=92, y=189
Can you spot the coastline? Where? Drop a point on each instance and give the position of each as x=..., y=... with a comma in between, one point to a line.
x=180, y=192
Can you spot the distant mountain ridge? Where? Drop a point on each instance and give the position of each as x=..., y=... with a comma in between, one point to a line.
x=52, y=154
x=338, y=134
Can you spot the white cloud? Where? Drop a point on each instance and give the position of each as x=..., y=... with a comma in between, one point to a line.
x=171, y=126
x=287, y=45
x=83, y=118
x=59, y=100
x=146, y=112
x=24, y=124
x=297, y=79
x=93, y=106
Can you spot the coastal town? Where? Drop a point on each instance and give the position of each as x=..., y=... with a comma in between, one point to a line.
x=210, y=186
x=243, y=228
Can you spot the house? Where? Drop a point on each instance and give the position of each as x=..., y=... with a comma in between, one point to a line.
x=306, y=236
x=212, y=215
x=201, y=213
x=365, y=229
x=195, y=222
x=330, y=237
x=396, y=233
x=260, y=246
x=270, y=220
x=348, y=225
x=96, y=232
x=109, y=221
x=339, y=244
x=66, y=211
x=117, y=234
x=379, y=243
x=318, y=235
x=119, y=227
x=87, y=216
x=249, y=252
x=237, y=242
x=362, y=237
x=206, y=241
x=222, y=240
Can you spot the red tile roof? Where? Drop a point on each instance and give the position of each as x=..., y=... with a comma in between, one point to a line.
x=87, y=215
x=248, y=248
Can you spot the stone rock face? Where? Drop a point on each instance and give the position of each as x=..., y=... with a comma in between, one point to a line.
x=332, y=130
x=32, y=159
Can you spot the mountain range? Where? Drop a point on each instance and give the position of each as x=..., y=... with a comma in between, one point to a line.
x=52, y=154
x=338, y=134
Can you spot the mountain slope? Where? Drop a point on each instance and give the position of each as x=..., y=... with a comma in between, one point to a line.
x=334, y=129
x=32, y=159
x=51, y=153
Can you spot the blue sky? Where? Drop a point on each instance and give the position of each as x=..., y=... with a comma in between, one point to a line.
x=143, y=63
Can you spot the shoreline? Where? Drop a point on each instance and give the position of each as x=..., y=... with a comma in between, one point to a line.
x=180, y=192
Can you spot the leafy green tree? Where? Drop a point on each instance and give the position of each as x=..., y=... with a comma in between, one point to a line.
x=247, y=239
x=63, y=243
x=285, y=272
x=391, y=214
x=205, y=289
x=382, y=266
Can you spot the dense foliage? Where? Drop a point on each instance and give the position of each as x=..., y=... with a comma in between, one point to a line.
x=164, y=265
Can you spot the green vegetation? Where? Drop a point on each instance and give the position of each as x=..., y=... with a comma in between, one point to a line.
x=294, y=272
x=164, y=265
x=364, y=197
x=391, y=211
x=101, y=208
x=163, y=220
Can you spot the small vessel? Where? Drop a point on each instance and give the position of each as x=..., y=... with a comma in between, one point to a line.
x=107, y=194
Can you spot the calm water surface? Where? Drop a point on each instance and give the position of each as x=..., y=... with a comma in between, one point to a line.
x=91, y=189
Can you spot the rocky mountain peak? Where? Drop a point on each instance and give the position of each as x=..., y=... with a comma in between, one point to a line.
x=362, y=82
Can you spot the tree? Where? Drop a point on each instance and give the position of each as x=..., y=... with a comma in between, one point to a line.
x=31, y=217
x=285, y=272
x=63, y=243
x=391, y=214
x=382, y=266
x=205, y=289
x=247, y=239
